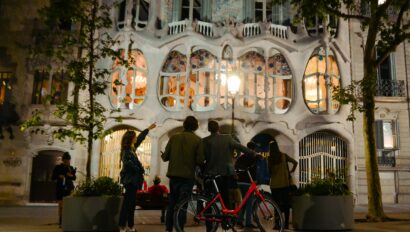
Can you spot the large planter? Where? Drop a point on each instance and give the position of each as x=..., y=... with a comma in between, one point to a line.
x=91, y=213
x=322, y=212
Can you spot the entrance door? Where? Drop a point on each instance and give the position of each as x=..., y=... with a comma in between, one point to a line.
x=42, y=187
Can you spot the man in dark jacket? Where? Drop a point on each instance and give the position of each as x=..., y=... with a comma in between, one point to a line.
x=184, y=151
x=63, y=175
x=219, y=155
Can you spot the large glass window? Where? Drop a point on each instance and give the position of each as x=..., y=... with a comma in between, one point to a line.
x=129, y=85
x=140, y=13
x=279, y=80
x=49, y=87
x=252, y=74
x=279, y=13
x=387, y=141
x=172, y=83
x=202, y=80
x=321, y=76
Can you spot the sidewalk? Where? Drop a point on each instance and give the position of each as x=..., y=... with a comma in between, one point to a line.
x=44, y=219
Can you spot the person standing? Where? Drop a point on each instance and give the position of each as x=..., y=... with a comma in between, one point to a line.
x=280, y=178
x=183, y=151
x=219, y=155
x=131, y=176
x=64, y=175
x=246, y=161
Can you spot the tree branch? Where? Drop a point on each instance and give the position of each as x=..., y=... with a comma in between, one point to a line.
x=344, y=15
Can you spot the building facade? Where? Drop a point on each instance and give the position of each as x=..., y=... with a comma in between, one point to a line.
x=181, y=58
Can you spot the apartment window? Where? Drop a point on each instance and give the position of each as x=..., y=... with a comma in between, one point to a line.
x=140, y=13
x=185, y=9
x=259, y=11
x=129, y=85
x=387, y=141
x=5, y=86
x=321, y=76
x=279, y=13
x=172, y=83
x=49, y=87
x=122, y=8
x=203, y=81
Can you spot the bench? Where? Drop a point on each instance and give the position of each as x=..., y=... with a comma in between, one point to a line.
x=147, y=200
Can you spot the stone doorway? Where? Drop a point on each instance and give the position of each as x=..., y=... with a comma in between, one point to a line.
x=43, y=188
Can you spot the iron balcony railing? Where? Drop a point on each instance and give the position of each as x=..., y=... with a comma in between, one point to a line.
x=386, y=158
x=391, y=88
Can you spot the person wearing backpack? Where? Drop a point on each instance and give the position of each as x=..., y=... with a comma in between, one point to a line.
x=280, y=178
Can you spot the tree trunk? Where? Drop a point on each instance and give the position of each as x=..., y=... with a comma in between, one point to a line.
x=375, y=205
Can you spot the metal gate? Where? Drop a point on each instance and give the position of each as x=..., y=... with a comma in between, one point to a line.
x=320, y=154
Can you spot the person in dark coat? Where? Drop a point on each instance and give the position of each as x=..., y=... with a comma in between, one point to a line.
x=131, y=176
x=64, y=176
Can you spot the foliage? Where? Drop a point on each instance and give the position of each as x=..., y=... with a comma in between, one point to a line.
x=384, y=25
x=102, y=186
x=328, y=186
x=77, y=31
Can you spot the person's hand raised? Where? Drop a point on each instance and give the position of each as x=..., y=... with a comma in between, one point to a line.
x=152, y=126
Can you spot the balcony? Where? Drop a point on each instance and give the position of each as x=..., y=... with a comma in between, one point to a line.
x=386, y=158
x=391, y=88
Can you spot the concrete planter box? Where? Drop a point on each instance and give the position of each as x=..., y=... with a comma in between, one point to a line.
x=91, y=213
x=324, y=213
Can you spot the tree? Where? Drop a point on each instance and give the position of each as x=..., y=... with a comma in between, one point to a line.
x=78, y=50
x=385, y=25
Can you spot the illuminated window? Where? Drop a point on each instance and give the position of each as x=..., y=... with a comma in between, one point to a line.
x=49, y=87
x=387, y=141
x=172, y=83
x=321, y=76
x=279, y=80
x=252, y=90
x=202, y=81
x=5, y=85
x=129, y=85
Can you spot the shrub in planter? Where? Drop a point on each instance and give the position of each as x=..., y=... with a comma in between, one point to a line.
x=93, y=206
x=325, y=204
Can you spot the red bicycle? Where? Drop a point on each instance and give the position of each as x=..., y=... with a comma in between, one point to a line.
x=198, y=212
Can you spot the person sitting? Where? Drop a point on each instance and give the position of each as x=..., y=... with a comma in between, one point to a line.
x=159, y=190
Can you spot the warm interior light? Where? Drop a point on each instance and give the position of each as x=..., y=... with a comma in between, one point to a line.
x=140, y=82
x=233, y=84
x=223, y=79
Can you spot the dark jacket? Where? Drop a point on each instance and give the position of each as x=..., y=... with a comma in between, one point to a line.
x=243, y=162
x=219, y=150
x=66, y=185
x=184, y=151
x=132, y=172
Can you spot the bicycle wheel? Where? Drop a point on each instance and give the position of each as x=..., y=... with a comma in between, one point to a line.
x=267, y=214
x=186, y=216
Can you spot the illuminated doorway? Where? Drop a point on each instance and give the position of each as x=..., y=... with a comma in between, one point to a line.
x=110, y=164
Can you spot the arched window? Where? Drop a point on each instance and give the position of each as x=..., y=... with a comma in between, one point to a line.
x=202, y=80
x=252, y=90
x=321, y=76
x=171, y=85
x=129, y=86
x=279, y=80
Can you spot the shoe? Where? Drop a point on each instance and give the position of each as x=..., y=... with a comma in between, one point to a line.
x=240, y=225
x=251, y=226
x=123, y=229
x=132, y=229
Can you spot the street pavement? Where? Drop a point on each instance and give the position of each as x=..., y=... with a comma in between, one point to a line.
x=37, y=218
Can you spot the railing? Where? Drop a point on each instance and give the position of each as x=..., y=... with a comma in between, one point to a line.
x=251, y=29
x=278, y=31
x=177, y=27
x=204, y=28
x=391, y=88
x=386, y=158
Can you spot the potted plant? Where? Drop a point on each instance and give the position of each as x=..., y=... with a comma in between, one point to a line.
x=93, y=206
x=324, y=204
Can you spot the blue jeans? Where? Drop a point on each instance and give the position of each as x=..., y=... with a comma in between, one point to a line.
x=247, y=209
x=179, y=189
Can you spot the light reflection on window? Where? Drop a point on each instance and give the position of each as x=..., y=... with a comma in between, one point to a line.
x=319, y=82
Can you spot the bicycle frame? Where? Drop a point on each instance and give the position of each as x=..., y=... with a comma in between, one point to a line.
x=253, y=189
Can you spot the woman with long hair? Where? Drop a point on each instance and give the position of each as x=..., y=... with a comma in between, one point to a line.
x=280, y=178
x=132, y=176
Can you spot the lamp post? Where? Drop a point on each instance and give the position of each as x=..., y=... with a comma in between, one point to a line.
x=233, y=82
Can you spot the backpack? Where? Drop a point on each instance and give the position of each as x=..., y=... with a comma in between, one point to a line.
x=262, y=172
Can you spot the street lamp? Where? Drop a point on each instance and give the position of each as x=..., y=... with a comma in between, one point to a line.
x=233, y=88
